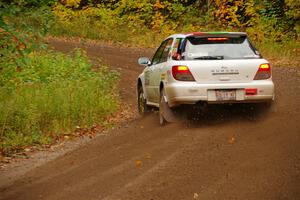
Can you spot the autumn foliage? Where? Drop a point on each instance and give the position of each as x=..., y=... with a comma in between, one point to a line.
x=31, y=75
x=271, y=25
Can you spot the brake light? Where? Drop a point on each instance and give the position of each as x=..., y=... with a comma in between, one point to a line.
x=182, y=73
x=263, y=72
x=217, y=39
x=264, y=67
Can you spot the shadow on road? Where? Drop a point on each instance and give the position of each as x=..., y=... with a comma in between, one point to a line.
x=203, y=115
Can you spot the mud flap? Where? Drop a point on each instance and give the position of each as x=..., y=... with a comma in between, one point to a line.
x=167, y=113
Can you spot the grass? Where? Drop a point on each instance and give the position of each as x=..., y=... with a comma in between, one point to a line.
x=101, y=24
x=284, y=54
x=54, y=101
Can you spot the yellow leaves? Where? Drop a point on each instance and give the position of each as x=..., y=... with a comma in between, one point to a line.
x=157, y=21
x=239, y=13
x=218, y=2
x=239, y=2
x=21, y=46
x=158, y=5
x=71, y=3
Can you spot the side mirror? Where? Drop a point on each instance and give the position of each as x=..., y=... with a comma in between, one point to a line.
x=144, y=61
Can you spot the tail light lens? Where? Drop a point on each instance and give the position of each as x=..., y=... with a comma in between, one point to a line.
x=182, y=73
x=263, y=72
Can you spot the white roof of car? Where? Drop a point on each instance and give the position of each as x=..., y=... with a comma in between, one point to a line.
x=183, y=35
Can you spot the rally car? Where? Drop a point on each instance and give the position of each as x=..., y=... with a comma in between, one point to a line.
x=211, y=67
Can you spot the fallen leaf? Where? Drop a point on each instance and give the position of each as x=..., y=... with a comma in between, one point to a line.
x=148, y=156
x=138, y=163
x=231, y=140
x=196, y=195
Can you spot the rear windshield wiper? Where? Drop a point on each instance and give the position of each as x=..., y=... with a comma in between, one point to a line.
x=209, y=58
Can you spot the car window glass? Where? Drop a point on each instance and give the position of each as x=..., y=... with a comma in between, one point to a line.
x=176, y=45
x=158, y=53
x=166, y=50
x=175, y=49
x=227, y=48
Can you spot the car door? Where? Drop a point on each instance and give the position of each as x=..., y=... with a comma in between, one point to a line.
x=149, y=73
x=158, y=68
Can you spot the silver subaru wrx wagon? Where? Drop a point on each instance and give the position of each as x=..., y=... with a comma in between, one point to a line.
x=211, y=67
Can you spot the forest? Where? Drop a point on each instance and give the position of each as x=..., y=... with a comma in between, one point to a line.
x=32, y=74
x=272, y=23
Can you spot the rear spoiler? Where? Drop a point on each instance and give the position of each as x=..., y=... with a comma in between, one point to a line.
x=209, y=34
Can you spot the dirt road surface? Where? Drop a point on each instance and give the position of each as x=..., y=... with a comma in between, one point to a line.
x=231, y=154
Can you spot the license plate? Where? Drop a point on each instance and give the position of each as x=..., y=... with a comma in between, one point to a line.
x=225, y=95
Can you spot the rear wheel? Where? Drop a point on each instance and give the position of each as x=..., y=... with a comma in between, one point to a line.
x=143, y=108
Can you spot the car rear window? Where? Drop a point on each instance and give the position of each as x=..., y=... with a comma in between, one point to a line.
x=217, y=48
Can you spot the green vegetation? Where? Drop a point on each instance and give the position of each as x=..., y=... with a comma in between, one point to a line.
x=274, y=26
x=44, y=93
x=54, y=96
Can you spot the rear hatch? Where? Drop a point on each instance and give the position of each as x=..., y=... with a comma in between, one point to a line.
x=225, y=57
x=230, y=71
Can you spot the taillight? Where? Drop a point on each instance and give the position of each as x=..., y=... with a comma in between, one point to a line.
x=182, y=73
x=263, y=72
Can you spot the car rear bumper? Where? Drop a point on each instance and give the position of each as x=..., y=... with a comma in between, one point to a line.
x=192, y=92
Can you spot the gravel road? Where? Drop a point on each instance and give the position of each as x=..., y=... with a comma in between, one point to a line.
x=233, y=153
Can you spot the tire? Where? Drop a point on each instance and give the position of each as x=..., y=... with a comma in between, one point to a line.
x=143, y=108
